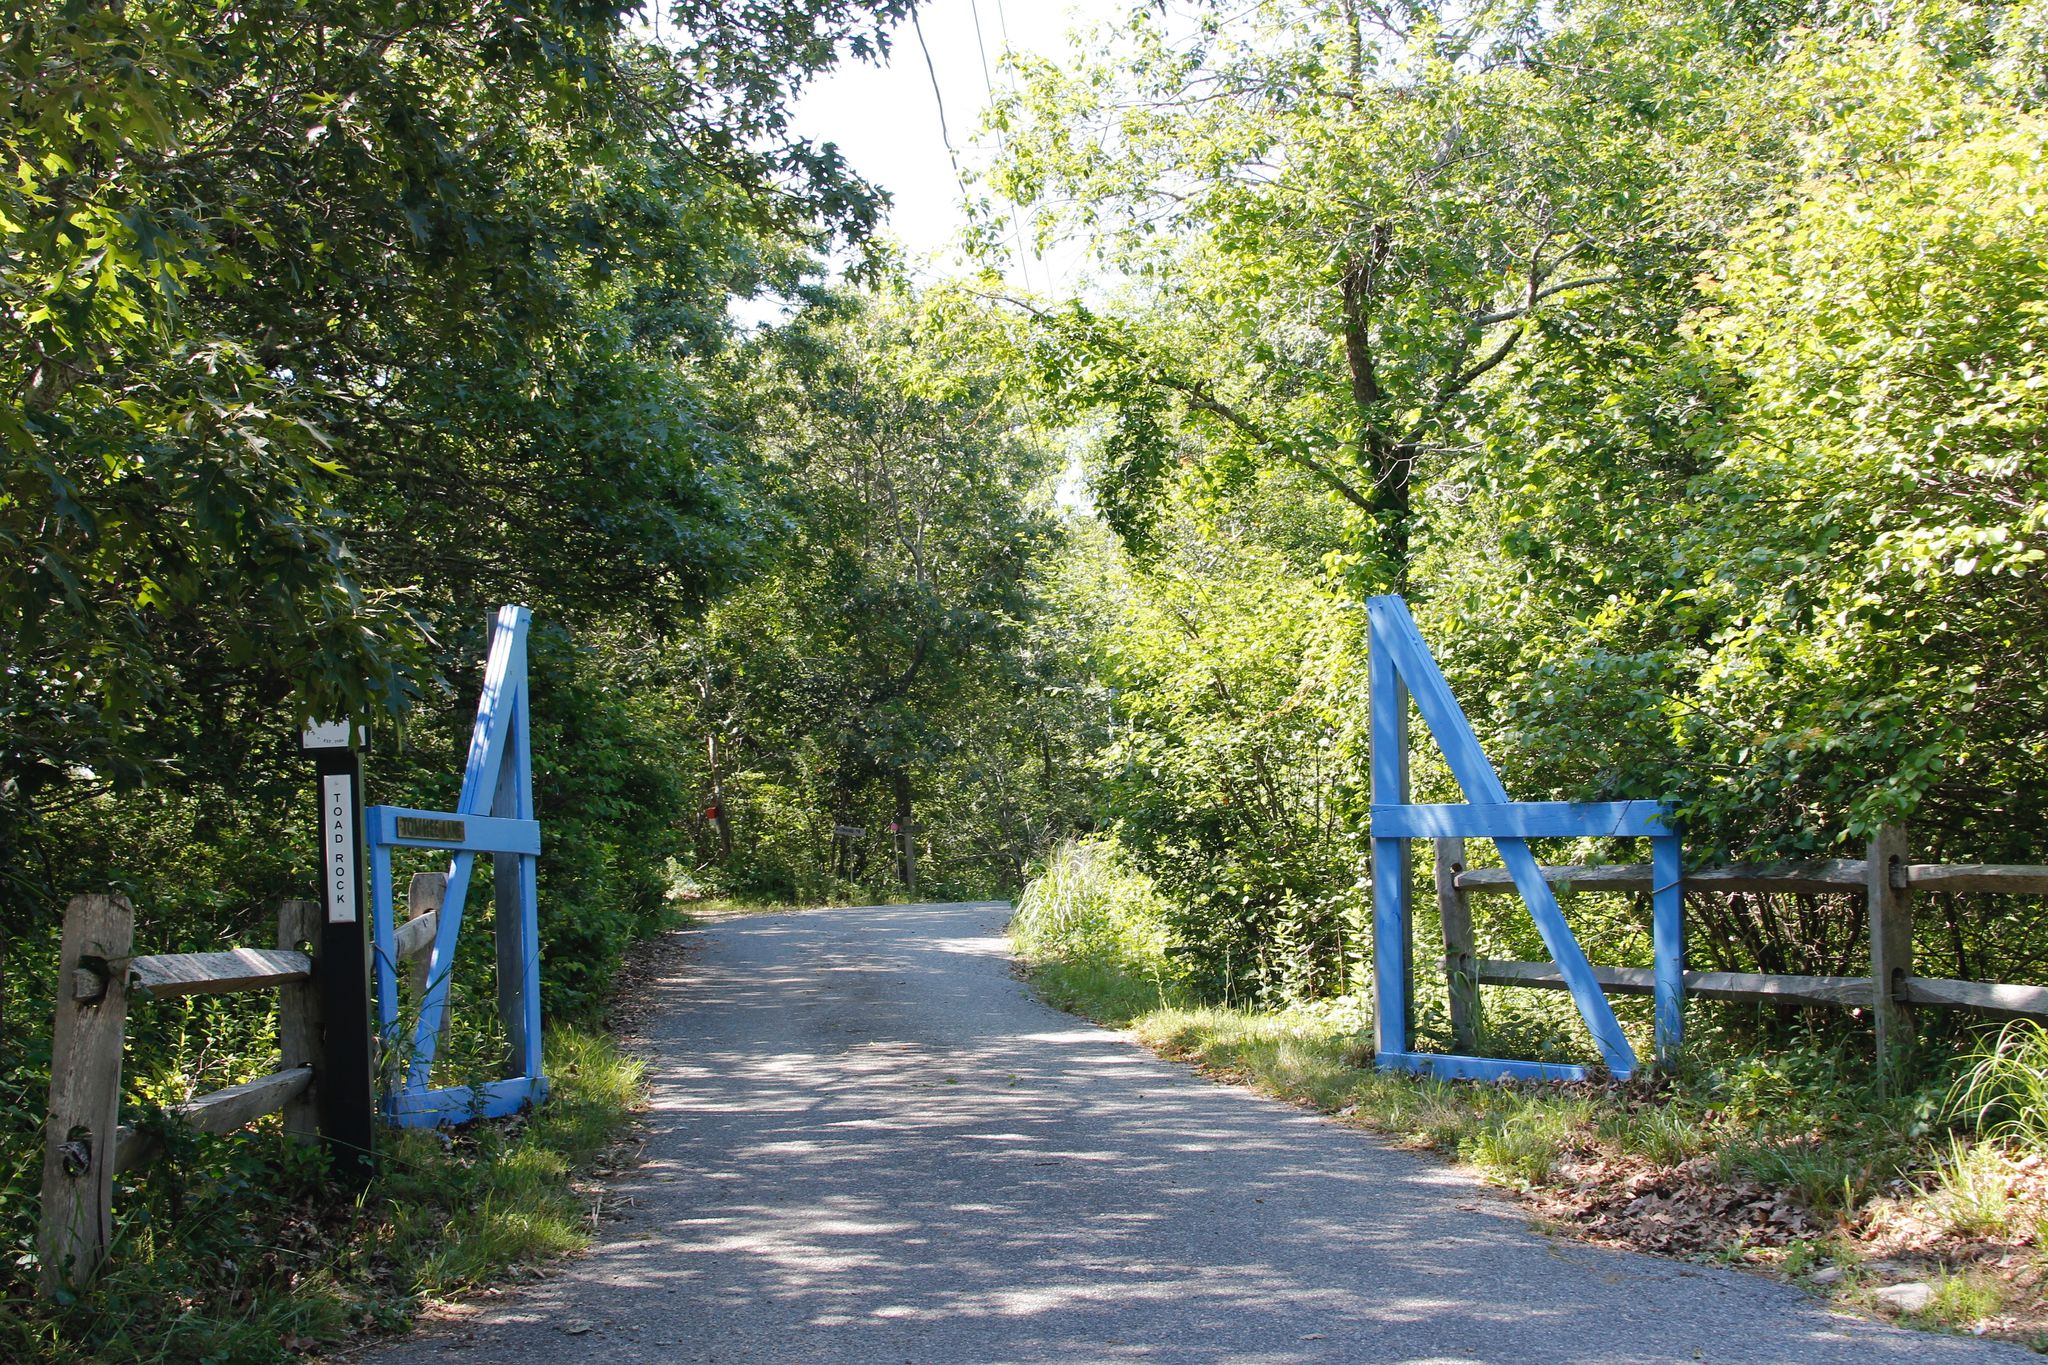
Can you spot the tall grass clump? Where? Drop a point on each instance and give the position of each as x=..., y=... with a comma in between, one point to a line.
x=2004, y=1094
x=1095, y=930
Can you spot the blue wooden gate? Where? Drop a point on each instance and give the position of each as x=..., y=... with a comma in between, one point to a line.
x=1403, y=668
x=494, y=815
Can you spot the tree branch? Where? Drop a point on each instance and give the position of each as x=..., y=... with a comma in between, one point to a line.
x=1459, y=383
x=1537, y=296
x=1197, y=395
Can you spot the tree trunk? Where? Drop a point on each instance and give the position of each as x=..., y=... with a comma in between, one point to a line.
x=843, y=846
x=906, y=831
x=718, y=814
x=1390, y=461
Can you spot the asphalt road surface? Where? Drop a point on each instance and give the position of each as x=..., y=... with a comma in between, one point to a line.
x=871, y=1143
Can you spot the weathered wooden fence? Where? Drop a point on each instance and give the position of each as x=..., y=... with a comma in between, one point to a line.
x=1886, y=881
x=85, y=1143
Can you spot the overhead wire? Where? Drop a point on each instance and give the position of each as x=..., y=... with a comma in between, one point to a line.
x=945, y=134
x=1002, y=142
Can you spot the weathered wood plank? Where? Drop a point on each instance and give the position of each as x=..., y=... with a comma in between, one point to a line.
x=223, y=1111
x=1819, y=990
x=219, y=1113
x=1545, y=976
x=1850, y=991
x=1810, y=878
x=1496, y=881
x=85, y=1092
x=416, y=936
x=2003, y=878
x=132, y=1149
x=2029, y=1002
x=298, y=1016
x=238, y=969
x=1833, y=874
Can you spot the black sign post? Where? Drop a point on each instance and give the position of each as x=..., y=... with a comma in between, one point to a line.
x=344, y=1085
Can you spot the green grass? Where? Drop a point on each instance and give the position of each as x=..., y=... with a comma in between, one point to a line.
x=240, y=1251
x=1516, y=1135
x=1961, y=1300
x=2006, y=1091
x=1745, y=1117
x=1106, y=992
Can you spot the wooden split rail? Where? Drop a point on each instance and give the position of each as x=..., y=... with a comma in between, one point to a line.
x=1884, y=878
x=85, y=1142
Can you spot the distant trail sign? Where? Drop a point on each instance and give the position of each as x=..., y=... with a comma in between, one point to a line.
x=1402, y=667
x=494, y=815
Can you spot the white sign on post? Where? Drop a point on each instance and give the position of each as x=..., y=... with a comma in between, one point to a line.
x=337, y=817
x=324, y=734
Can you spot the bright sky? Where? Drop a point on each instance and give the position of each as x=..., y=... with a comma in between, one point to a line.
x=886, y=119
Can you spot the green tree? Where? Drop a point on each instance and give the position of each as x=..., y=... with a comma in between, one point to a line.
x=329, y=325
x=1236, y=777
x=1337, y=223
x=890, y=642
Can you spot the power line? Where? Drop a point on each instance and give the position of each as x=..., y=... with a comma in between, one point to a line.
x=945, y=135
x=1002, y=142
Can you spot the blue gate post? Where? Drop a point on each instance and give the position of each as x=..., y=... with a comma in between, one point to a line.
x=1667, y=942
x=1392, y=932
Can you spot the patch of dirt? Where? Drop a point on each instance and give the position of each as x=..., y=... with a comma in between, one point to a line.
x=1907, y=1222
x=1685, y=1210
x=646, y=963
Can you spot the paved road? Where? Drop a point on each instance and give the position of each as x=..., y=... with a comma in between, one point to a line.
x=872, y=1144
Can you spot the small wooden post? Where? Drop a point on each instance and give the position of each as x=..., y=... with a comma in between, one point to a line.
x=298, y=1018
x=85, y=1089
x=1461, y=971
x=905, y=828
x=423, y=896
x=1891, y=946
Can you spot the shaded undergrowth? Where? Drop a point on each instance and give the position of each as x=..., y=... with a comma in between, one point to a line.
x=241, y=1249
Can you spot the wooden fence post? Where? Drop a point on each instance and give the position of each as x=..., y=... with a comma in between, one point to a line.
x=423, y=896
x=85, y=1089
x=1891, y=946
x=1454, y=910
x=298, y=1017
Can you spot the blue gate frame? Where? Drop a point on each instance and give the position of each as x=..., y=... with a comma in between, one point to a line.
x=494, y=815
x=1403, y=668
